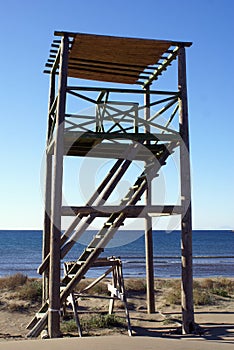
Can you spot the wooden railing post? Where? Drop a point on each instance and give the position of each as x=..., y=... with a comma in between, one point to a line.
x=186, y=220
x=54, y=282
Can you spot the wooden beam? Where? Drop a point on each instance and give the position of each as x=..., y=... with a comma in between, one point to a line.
x=76, y=135
x=158, y=102
x=148, y=224
x=188, y=325
x=54, y=104
x=49, y=72
x=48, y=192
x=73, y=35
x=163, y=109
x=76, y=94
x=54, y=283
x=121, y=90
x=132, y=211
x=47, y=226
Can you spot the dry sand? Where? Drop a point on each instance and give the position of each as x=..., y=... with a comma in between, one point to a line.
x=155, y=331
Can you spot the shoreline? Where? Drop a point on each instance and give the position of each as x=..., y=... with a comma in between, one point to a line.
x=126, y=276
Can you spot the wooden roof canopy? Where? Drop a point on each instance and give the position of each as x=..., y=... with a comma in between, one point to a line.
x=115, y=59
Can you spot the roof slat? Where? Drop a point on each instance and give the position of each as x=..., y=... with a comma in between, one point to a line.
x=102, y=76
x=113, y=64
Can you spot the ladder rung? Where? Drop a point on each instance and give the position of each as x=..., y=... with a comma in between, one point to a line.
x=89, y=249
x=79, y=262
x=149, y=165
x=40, y=315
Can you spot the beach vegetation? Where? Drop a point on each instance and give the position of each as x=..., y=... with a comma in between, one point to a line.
x=132, y=285
x=205, y=291
x=220, y=286
x=68, y=326
x=12, y=282
x=172, y=297
x=135, y=285
x=31, y=290
x=202, y=297
x=167, y=283
x=99, y=289
x=93, y=322
x=101, y=321
x=18, y=307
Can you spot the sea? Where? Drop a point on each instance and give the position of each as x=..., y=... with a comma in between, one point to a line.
x=213, y=253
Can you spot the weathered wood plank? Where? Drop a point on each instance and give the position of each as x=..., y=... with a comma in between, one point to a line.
x=186, y=220
x=102, y=63
x=76, y=135
x=54, y=277
x=148, y=222
x=121, y=90
x=149, y=41
x=131, y=211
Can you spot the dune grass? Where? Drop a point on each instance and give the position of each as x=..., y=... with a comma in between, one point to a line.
x=91, y=323
x=19, y=292
x=205, y=291
x=208, y=291
x=12, y=282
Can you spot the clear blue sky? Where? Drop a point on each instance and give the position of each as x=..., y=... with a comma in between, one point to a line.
x=26, y=33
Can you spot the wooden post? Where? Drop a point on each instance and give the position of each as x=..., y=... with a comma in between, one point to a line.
x=47, y=227
x=148, y=229
x=186, y=220
x=54, y=283
x=47, y=212
x=114, y=284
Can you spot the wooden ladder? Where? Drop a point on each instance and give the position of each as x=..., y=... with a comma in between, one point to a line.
x=101, y=239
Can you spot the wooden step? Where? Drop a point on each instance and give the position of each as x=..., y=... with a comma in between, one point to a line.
x=89, y=249
x=40, y=315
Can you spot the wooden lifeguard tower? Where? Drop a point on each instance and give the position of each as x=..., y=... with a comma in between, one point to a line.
x=118, y=131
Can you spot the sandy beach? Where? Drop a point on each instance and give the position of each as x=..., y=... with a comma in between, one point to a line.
x=163, y=328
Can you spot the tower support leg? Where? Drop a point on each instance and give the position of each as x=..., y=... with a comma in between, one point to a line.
x=48, y=192
x=186, y=220
x=149, y=265
x=148, y=228
x=47, y=227
x=54, y=282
